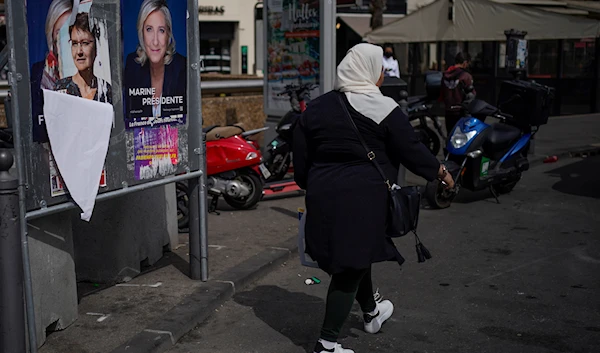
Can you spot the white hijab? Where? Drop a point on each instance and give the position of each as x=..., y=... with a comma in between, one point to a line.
x=357, y=76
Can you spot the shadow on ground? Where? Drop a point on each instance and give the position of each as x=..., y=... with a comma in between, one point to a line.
x=579, y=178
x=296, y=315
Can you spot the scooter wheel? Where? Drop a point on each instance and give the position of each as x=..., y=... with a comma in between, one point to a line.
x=280, y=167
x=255, y=185
x=437, y=196
x=183, y=206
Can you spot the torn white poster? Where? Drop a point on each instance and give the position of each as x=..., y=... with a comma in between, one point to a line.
x=79, y=133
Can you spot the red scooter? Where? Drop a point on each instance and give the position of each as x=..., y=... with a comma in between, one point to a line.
x=234, y=170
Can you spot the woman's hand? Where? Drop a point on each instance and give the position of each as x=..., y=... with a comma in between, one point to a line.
x=445, y=177
x=449, y=181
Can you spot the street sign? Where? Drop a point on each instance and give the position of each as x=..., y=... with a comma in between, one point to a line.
x=244, y=59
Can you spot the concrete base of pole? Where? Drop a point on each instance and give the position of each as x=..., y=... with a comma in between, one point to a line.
x=123, y=235
x=53, y=273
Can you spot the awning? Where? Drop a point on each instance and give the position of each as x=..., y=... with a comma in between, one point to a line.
x=361, y=24
x=482, y=20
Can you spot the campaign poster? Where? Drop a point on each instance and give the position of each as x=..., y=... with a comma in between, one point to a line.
x=156, y=151
x=154, y=52
x=293, y=48
x=68, y=52
x=57, y=185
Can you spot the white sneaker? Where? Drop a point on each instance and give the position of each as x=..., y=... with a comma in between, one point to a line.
x=373, y=323
x=337, y=349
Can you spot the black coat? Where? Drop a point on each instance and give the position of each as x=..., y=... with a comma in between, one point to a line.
x=346, y=198
x=138, y=76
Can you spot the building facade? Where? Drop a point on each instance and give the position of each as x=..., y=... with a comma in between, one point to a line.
x=563, y=55
x=227, y=36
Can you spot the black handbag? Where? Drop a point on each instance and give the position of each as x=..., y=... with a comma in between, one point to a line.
x=404, y=204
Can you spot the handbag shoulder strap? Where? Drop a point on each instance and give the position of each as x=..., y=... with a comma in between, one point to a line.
x=370, y=153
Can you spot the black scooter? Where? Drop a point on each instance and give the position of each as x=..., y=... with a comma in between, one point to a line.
x=418, y=108
x=278, y=155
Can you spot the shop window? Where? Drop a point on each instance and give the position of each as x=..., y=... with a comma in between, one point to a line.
x=216, y=55
x=422, y=57
x=449, y=51
x=432, y=63
x=401, y=52
x=502, y=55
x=579, y=58
x=482, y=57
x=543, y=58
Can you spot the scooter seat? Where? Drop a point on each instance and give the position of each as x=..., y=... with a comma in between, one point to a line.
x=480, y=108
x=503, y=134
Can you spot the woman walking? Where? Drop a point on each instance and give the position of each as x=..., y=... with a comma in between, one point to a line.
x=346, y=199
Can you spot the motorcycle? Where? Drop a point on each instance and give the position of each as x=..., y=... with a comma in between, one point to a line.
x=493, y=156
x=418, y=110
x=278, y=155
x=234, y=170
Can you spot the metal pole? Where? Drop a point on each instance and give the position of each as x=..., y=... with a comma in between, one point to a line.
x=15, y=11
x=42, y=212
x=12, y=316
x=194, y=236
x=328, y=42
x=198, y=238
x=204, y=211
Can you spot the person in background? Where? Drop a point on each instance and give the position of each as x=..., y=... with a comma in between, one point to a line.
x=454, y=82
x=390, y=64
x=346, y=198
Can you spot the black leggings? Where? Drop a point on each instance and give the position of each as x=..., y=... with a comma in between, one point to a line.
x=344, y=288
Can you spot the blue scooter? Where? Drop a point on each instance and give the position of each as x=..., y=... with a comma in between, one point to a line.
x=482, y=156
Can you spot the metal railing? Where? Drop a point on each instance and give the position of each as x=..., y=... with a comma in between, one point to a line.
x=209, y=88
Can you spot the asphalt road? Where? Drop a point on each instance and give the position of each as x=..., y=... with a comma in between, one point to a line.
x=520, y=276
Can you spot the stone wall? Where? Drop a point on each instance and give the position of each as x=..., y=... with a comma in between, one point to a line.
x=233, y=109
x=229, y=110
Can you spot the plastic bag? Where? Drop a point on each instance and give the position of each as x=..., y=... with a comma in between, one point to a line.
x=305, y=259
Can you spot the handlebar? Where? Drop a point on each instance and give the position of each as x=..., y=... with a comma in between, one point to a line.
x=298, y=89
x=249, y=133
x=502, y=116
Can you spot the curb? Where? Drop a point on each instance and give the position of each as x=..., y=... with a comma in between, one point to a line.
x=164, y=333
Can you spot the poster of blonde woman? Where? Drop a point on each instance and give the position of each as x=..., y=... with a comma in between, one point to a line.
x=155, y=75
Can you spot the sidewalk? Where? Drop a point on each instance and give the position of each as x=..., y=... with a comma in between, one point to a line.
x=150, y=313
x=567, y=134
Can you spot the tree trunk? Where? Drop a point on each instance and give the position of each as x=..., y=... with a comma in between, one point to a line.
x=377, y=8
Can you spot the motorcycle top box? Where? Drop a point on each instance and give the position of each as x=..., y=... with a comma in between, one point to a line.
x=527, y=103
x=392, y=86
x=433, y=84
